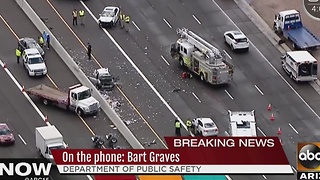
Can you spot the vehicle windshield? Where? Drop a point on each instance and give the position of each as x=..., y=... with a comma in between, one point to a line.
x=242, y=40
x=209, y=125
x=107, y=13
x=35, y=60
x=85, y=94
x=105, y=79
x=4, y=131
x=56, y=147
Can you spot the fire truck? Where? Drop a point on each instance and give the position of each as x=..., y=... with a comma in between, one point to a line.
x=201, y=58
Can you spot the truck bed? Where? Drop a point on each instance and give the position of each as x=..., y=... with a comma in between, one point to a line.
x=303, y=38
x=50, y=93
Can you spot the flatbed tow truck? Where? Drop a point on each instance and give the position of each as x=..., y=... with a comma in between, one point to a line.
x=77, y=99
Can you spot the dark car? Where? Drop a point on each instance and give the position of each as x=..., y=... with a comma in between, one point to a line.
x=28, y=43
x=6, y=135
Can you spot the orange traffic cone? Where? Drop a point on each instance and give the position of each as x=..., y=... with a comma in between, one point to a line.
x=269, y=107
x=46, y=119
x=272, y=117
x=23, y=90
x=279, y=131
x=4, y=65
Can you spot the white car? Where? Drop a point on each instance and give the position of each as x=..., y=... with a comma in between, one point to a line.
x=205, y=127
x=109, y=16
x=33, y=62
x=236, y=40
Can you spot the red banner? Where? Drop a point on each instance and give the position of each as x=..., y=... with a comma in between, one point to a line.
x=184, y=151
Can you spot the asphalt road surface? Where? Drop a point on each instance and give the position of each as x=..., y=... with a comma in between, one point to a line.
x=251, y=69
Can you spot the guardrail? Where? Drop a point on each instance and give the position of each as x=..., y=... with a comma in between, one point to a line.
x=67, y=59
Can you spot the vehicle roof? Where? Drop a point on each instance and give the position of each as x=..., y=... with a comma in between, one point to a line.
x=206, y=120
x=80, y=89
x=237, y=34
x=287, y=12
x=185, y=43
x=103, y=71
x=109, y=8
x=32, y=52
x=242, y=123
x=28, y=39
x=301, y=56
x=3, y=125
x=49, y=132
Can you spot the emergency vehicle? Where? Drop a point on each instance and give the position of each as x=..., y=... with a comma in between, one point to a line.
x=300, y=65
x=242, y=123
x=201, y=58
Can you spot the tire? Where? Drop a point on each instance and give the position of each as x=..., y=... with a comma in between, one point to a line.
x=225, y=39
x=232, y=48
x=202, y=77
x=45, y=102
x=79, y=112
x=291, y=76
x=294, y=46
x=181, y=62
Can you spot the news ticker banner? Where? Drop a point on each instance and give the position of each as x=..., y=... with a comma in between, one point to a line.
x=185, y=155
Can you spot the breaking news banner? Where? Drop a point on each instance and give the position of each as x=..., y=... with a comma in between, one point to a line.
x=185, y=155
x=25, y=169
x=308, y=160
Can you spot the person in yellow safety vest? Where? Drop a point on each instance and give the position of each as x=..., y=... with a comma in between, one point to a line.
x=189, y=124
x=122, y=16
x=41, y=41
x=74, y=17
x=127, y=21
x=178, y=127
x=18, y=54
x=81, y=15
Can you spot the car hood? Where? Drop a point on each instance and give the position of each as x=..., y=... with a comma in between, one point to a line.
x=89, y=101
x=4, y=137
x=37, y=66
x=105, y=19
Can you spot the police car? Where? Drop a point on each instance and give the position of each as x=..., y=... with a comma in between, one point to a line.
x=205, y=127
x=236, y=40
x=109, y=16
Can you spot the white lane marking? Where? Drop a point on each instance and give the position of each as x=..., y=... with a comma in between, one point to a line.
x=226, y=132
x=259, y=89
x=294, y=129
x=24, y=142
x=227, y=54
x=167, y=23
x=270, y=64
x=136, y=25
x=228, y=177
x=43, y=117
x=164, y=59
x=228, y=94
x=137, y=69
x=261, y=132
x=294, y=169
x=264, y=176
x=194, y=94
x=196, y=19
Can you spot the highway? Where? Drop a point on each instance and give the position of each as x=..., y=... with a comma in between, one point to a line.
x=290, y=109
x=247, y=77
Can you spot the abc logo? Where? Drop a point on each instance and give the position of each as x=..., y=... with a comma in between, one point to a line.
x=309, y=156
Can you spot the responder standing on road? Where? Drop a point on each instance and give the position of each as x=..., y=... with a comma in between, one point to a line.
x=189, y=124
x=41, y=41
x=89, y=51
x=74, y=17
x=18, y=54
x=121, y=22
x=48, y=41
x=127, y=21
x=178, y=127
x=81, y=16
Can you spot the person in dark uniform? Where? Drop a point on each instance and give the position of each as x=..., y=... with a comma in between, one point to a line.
x=89, y=51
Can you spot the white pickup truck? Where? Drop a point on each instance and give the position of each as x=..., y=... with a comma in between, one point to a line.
x=34, y=63
x=48, y=138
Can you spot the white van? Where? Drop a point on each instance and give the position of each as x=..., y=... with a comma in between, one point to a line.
x=34, y=63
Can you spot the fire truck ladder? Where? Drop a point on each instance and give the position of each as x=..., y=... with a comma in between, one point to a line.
x=211, y=52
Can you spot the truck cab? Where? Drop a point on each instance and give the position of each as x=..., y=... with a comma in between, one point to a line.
x=289, y=23
x=104, y=80
x=81, y=100
x=33, y=62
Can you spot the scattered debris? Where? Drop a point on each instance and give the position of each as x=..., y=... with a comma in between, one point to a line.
x=150, y=143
